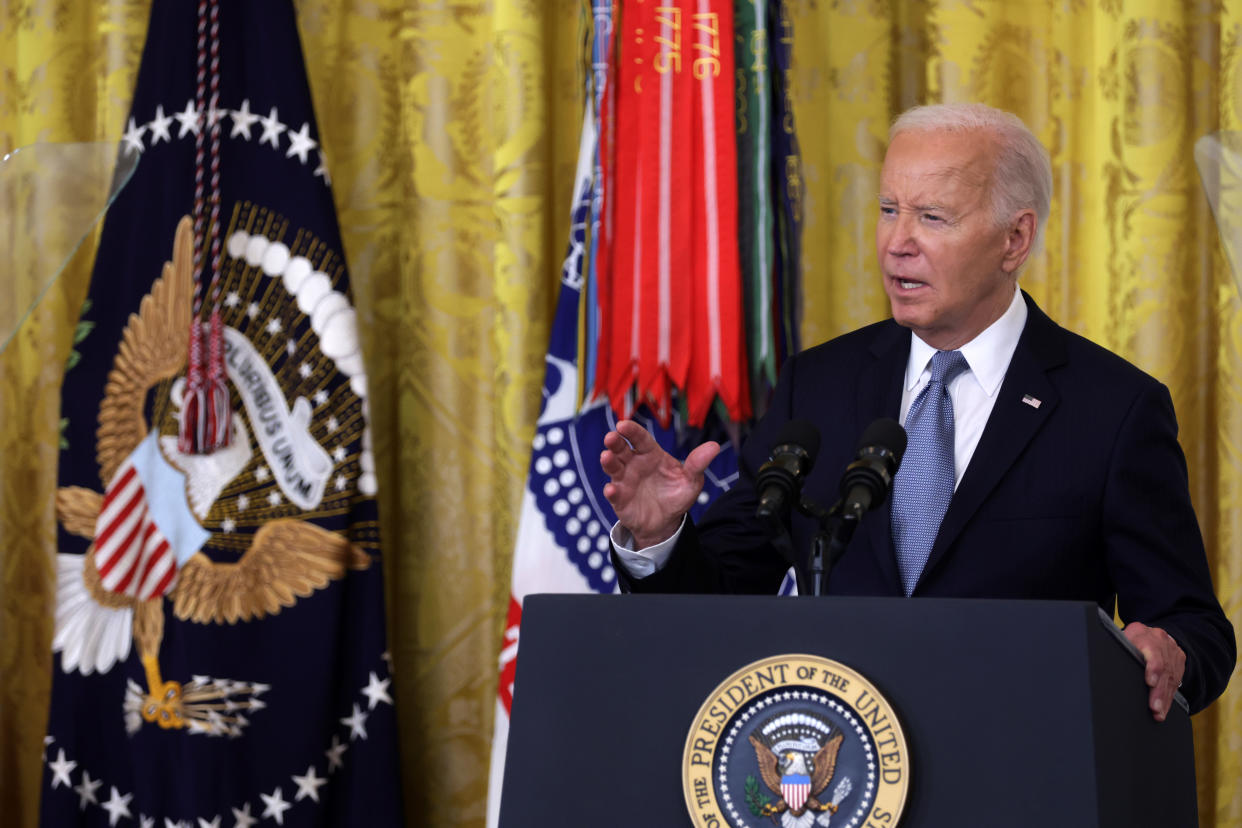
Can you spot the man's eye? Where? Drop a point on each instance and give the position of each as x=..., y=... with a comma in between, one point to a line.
x=887, y=211
x=933, y=217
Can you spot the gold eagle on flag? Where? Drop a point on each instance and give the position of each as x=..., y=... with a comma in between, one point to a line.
x=287, y=558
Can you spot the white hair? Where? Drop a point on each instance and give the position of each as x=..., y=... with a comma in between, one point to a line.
x=1023, y=175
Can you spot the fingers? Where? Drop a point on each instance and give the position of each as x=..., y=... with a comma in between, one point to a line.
x=622, y=447
x=701, y=457
x=610, y=461
x=628, y=440
x=614, y=492
x=612, y=495
x=639, y=439
x=1165, y=665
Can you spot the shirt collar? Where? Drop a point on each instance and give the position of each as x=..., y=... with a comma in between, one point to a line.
x=988, y=354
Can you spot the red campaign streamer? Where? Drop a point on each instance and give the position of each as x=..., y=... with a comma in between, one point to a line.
x=718, y=364
x=664, y=350
x=633, y=250
x=652, y=299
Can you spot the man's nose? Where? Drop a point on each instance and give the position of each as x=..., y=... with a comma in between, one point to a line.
x=901, y=238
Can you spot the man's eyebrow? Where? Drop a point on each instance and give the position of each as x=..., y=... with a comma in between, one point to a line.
x=925, y=207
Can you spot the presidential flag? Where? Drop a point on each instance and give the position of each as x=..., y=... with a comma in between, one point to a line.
x=219, y=653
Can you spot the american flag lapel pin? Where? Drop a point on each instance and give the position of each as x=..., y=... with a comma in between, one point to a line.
x=1031, y=401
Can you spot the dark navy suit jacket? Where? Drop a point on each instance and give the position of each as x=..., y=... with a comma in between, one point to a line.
x=1077, y=490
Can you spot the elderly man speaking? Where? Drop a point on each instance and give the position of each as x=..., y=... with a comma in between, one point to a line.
x=1039, y=464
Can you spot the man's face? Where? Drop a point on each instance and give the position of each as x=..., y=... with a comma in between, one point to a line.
x=948, y=270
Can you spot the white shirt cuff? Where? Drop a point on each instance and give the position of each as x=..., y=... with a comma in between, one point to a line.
x=640, y=563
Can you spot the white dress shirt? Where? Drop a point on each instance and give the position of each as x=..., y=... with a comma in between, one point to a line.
x=973, y=393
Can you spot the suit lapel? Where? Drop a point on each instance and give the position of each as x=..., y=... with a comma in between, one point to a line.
x=880, y=396
x=1025, y=401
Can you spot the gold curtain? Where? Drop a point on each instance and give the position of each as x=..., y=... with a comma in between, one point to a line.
x=451, y=131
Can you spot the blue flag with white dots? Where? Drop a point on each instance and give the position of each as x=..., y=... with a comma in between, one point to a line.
x=219, y=651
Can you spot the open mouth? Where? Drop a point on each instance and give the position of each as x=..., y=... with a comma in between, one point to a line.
x=907, y=284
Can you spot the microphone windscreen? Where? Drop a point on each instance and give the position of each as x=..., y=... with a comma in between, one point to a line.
x=801, y=433
x=885, y=433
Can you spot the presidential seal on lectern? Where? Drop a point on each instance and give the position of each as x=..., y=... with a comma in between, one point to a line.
x=796, y=741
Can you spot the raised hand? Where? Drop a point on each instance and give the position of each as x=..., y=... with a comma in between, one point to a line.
x=650, y=489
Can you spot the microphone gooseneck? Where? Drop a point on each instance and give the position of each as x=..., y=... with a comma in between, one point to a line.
x=780, y=479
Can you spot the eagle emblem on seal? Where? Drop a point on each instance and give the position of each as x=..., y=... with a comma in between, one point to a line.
x=798, y=769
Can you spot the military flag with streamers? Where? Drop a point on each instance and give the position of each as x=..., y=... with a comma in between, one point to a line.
x=653, y=272
x=219, y=651
x=697, y=142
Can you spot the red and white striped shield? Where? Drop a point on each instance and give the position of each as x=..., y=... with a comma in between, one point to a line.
x=795, y=788
x=132, y=555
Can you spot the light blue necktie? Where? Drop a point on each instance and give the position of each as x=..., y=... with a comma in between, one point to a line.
x=923, y=486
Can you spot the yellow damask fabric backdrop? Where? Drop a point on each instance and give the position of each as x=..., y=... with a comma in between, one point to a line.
x=451, y=132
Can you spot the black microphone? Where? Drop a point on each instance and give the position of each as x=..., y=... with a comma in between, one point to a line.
x=867, y=480
x=781, y=477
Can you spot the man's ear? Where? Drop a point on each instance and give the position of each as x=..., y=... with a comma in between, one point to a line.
x=1019, y=241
